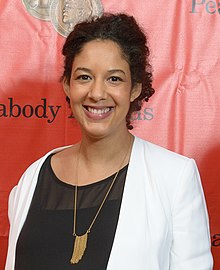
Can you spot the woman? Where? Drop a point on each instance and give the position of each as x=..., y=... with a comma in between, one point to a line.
x=112, y=201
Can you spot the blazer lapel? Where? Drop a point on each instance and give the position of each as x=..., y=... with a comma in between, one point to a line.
x=128, y=250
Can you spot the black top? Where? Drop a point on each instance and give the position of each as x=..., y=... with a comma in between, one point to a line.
x=46, y=240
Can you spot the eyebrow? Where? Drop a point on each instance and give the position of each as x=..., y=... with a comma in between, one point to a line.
x=90, y=71
x=82, y=69
x=116, y=70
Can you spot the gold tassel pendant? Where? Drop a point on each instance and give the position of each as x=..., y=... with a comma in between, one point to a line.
x=79, y=247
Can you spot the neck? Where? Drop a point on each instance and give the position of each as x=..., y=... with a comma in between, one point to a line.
x=106, y=150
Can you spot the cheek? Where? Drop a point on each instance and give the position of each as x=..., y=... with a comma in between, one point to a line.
x=74, y=94
x=123, y=95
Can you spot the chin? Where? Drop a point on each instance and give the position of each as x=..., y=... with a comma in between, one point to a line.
x=104, y=131
x=98, y=134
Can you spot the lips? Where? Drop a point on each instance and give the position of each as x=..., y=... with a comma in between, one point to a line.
x=97, y=113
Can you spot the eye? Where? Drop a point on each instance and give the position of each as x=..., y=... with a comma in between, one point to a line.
x=83, y=77
x=115, y=79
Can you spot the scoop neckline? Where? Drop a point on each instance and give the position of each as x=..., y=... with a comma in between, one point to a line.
x=99, y=182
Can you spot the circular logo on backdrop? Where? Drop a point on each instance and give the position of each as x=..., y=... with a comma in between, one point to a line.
x=63, y=14
x=66, y=14
x=38, y=8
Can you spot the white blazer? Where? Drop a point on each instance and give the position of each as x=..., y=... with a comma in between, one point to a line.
x=163, y=221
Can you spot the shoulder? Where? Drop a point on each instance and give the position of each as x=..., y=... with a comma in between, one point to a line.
x=41, y=160
x=30, y=175
x=160, y=157
x=168, y=169
x=172, y=175
x=23, y=191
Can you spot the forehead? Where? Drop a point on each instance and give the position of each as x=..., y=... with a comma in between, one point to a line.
x=95, y=50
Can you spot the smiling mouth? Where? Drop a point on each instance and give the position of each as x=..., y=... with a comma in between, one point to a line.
x=98, y=110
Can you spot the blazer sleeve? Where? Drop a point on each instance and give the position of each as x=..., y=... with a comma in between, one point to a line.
x=11, y=206
x=191, y=237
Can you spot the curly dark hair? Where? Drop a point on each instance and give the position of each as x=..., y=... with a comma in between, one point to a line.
x=125, y=31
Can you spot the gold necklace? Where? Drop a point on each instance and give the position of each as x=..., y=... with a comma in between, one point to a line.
x=80, y=243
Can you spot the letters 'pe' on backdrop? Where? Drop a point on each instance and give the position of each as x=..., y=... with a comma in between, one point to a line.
x=183, y=115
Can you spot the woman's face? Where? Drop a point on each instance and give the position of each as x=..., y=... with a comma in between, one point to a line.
x=100, y=89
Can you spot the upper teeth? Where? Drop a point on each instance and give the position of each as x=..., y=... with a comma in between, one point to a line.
x=98, y=111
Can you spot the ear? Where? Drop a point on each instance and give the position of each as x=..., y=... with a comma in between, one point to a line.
x=135, y=92
x=66, y=87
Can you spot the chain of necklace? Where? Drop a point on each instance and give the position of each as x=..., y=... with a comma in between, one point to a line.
x=80, y=243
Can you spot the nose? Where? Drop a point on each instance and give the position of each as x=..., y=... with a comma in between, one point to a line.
x=97, y=91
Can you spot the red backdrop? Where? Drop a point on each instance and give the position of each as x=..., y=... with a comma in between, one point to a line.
x=183, y=115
